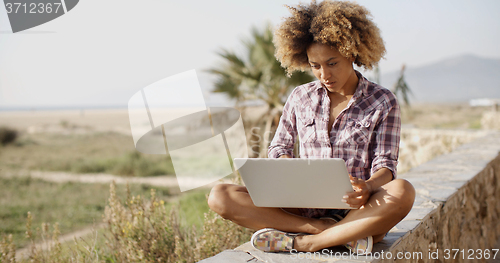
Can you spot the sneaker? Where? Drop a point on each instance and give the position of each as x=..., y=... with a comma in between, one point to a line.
x=272, y=240
x=359, y=247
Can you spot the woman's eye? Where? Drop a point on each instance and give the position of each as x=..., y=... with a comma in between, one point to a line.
x=314, y=66
x=332, y=64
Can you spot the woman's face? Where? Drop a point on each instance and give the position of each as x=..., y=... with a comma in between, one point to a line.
x=335, y=72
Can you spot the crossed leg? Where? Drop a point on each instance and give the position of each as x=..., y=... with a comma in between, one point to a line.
x=387, y=206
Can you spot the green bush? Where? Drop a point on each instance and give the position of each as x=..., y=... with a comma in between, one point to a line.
x=7, y=135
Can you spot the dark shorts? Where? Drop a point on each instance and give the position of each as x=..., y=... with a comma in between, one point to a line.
x=318, y=213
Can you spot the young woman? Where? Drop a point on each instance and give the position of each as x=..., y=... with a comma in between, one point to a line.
x=341, y=115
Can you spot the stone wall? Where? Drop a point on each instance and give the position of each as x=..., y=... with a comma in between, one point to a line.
x=469, y=219
x=418, y=146
x=457, y=206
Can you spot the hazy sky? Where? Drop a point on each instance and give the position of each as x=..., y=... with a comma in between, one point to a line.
x=102, y=52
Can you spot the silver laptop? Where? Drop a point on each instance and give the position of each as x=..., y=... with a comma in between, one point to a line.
x=293, y=182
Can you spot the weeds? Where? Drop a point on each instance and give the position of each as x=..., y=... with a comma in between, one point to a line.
x=73, y=205
x=145, y=231
x=137, y=230
x=50, y=250
x=85, y=251
x=7, y=250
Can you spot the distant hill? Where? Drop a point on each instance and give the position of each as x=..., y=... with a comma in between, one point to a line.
x=457, y=79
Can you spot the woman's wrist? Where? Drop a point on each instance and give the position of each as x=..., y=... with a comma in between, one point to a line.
x=378, y=179
x=369, y=186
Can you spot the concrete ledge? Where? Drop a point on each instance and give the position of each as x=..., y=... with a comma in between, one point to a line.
x=457, y=207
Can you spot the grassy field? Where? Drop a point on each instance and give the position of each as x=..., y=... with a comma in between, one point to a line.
x=191, y=206
x=73, y=205
x=101, y=152
x=78, y=205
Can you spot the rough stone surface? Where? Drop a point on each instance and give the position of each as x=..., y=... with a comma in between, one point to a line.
x=465, y=218
x=457, y=207
x=418, y=146
x=232, y=256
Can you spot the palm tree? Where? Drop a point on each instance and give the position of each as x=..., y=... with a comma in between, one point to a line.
x=401, y=88
x=257, y=76
x=376, y=72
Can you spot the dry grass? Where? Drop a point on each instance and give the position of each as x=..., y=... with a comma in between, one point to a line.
x=7, y=250
x=144, y=231
x=73, y=205
x=102, y=152
x=138, y=230
x=443, y=116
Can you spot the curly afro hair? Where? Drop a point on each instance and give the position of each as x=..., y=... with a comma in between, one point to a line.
x=345, y=26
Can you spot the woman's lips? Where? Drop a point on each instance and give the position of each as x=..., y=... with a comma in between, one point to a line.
x=329, y=84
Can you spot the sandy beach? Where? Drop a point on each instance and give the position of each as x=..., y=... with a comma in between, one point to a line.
x=98, y=120
x=116, y=120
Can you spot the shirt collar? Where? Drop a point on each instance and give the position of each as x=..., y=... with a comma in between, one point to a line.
x=361, y=89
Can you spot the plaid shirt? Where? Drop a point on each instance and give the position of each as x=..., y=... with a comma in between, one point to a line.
x=365, y=134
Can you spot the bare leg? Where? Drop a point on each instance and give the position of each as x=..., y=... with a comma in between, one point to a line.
x=385, y=208
x=233, y=202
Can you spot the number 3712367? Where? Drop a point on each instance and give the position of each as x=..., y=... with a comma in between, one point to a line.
x=470, y=253
x=33, y=8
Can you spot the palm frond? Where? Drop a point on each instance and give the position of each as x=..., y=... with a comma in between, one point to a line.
x=401, y=88
x=258, y=74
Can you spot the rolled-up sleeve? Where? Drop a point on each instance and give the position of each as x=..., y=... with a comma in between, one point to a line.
x=387, y=136
x=284, y=138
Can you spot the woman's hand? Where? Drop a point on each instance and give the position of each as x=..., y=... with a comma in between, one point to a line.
x=361, y=194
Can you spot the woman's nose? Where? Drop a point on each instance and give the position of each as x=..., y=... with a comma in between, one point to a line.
x=325, y=73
